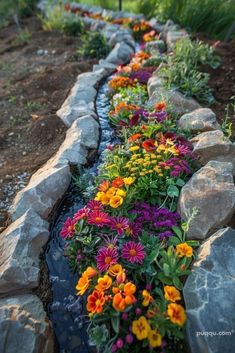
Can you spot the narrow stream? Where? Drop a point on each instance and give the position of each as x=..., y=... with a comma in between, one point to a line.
x=66, y=311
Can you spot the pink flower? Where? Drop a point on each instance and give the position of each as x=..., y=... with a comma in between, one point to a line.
x=81, y=214
x=98, y=218
x=94, y=205
x=119, y=224
x=105, y=258
x=133, y=252
x=68, y=229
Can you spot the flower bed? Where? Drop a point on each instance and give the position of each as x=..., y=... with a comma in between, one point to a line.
x=128, y=243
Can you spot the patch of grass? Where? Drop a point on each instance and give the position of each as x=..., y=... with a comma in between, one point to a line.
x=213, y=17
x=23, y=37
x=181, y=70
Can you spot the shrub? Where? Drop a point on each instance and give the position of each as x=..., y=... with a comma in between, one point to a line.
x=62, y=21
x=95, y=46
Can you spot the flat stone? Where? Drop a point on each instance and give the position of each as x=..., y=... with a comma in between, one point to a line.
x=20, y=247
x=211, y=191
x=120, y=54
x=24, y=326
x=122, y=35
x=68, y=113
x=45, y=188
x=82, y=136
x=213, y=145
x=209, y=295
x=172, y=37
x=108, y=67
x=199, y=120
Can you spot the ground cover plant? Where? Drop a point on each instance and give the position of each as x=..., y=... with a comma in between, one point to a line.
x=128, y=243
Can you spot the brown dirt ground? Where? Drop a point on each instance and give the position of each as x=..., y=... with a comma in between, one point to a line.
x=32, y=88
x=222, y=80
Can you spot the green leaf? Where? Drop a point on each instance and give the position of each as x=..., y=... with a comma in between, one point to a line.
x=177, y=283
x=177, y=231
x=172, y=191
x=166, y=269
x=180, y=182
x=115, y=321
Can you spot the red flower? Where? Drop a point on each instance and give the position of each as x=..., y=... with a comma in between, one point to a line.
x=105, y=258
x=81, y=214
x=149, y=145
x=133, y=252
x=98, y=218
x=118, y=182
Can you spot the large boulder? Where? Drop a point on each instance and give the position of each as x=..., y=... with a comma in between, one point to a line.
x=24, y=326
x=20, y=246
x=209, y=295
x=211, y=191
x=82, y=136
x=213, y=145
x=199, y=120
x=172, y=37
x=44, y=189
x=120, y=54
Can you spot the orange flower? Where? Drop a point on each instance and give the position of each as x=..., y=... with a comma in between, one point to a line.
x=120, y=82
x=160, y=106
x=104, y=186
x=90, y=272
x=184, y=250
x=95, y=302
x=134, y=137
x=171, y=294
x=114, y=270
x=119, y=303
x=147, y=298
x=117, y=182
x=104, y=283
x=176, y=314
x=82, y=285
x=129, y=290
x=111, y=192
x=149, y=145
x=121, y=277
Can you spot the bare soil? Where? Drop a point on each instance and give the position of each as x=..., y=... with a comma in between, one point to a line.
x=36, y=75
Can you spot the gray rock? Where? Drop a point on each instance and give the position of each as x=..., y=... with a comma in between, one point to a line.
x=155, y=47
x=120, y=54
x=122, y=35
x=82, y=136
x=20, y=246
x=172, y=37
x=24, y=326
x=213, y=145
x=155, y=83
x=209, y=295
x=109, y=30
x=211, y=190
x=68, y=113
x=108, y=67
x=45, y=188
x=199, y=120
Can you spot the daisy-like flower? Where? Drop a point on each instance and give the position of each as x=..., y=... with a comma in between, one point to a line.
x=105, y=258
x=98, y=218
x=81, y=214
x=133, y=252
x=94, y=205
x=120, y=224
x=68, y=229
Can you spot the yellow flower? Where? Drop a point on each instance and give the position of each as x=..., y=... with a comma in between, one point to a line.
x=176, y=314
x=129, y=180
x=116, y=201
x=134, y=148
x=121, y=192
x=184, y=249
x=171, y=294
x=104, y=199
x=147, y=298
x=155, y=339
x=104, y=283
x=111, y=192
x=141, y=328
x=99, y=195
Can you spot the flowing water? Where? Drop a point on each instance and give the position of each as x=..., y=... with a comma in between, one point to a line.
x=66, y=311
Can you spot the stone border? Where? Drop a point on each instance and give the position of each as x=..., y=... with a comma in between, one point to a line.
x=22, y=242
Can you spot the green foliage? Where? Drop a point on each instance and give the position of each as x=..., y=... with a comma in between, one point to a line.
x=22, y=8
x=62, y=21
x=227, y=125
x=95, y=46
x=213, y=17
x=182, y=69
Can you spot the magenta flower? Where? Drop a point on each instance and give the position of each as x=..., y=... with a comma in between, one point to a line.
x=94, y=205
x=120, y=224
x=105, y=258
x=133, y=252
x=98, y=218
x=68, y=229
x=81, y=214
